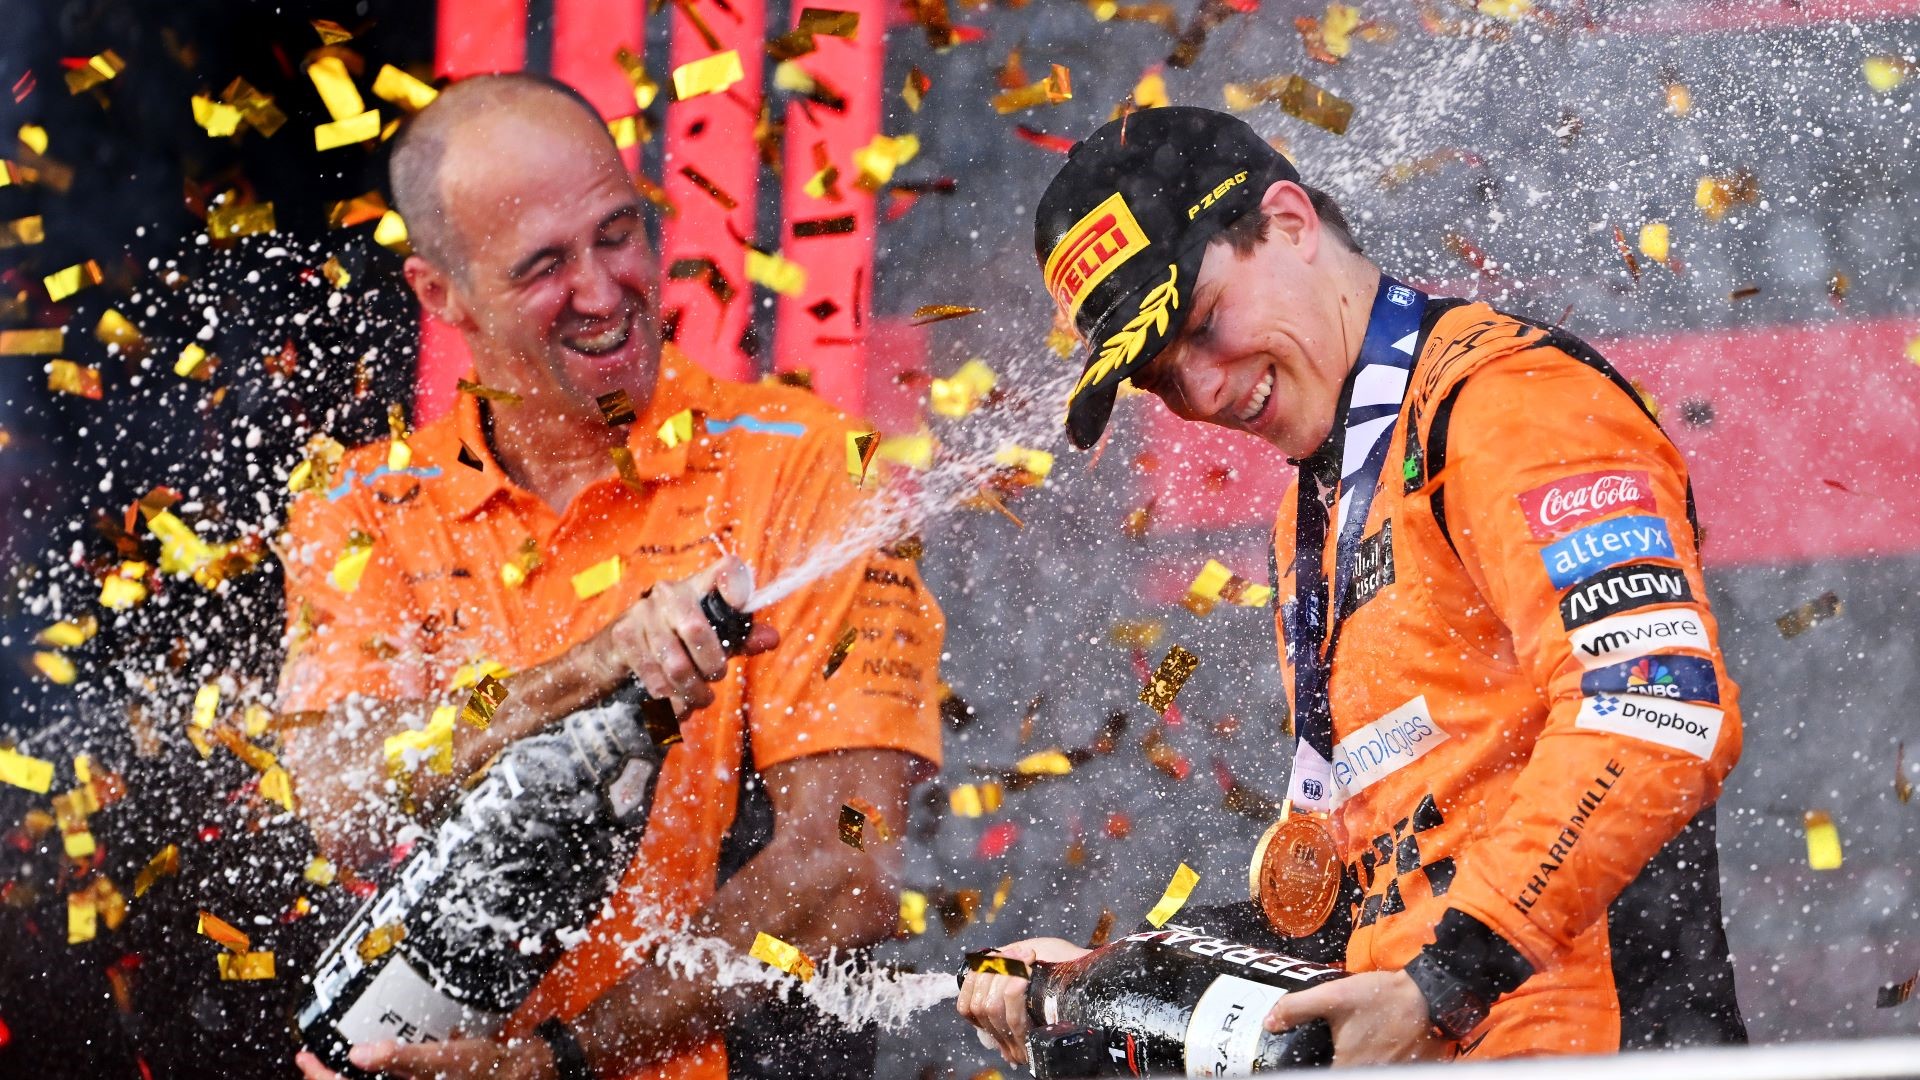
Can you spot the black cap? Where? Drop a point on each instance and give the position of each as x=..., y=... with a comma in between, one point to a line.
x=1122, y=229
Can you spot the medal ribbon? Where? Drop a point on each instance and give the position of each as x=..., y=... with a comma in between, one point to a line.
x=1370, y=405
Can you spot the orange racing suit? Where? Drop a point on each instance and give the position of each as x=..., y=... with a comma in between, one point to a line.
x=1531, y=716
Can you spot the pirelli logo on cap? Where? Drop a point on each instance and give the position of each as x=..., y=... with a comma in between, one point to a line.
x=1094, y=248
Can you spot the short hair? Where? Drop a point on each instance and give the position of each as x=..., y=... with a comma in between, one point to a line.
x=413, y=169
x=1249, y=230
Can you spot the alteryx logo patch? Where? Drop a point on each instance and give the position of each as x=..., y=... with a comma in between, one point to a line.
x=1626, y=588
x=1604, y=544
x=1679, y=725
x=1679, y=678
x=1383, y=748
x=1621, y=636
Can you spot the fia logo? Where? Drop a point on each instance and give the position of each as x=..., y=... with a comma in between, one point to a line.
x=1400, y=294
x=1312, y=789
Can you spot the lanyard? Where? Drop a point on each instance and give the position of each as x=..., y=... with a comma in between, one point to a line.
x=1363, y=429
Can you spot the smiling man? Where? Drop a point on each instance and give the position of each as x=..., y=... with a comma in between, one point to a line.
x=538, y=528
x=1512, y=715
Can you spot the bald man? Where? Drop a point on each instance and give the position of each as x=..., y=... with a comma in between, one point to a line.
x=545, y=530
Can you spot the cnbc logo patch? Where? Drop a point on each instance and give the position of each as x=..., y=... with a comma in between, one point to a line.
x=1659, y=675
x=1648, y=677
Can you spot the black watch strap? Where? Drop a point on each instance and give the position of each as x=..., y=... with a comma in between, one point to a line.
x=569, y=1061
x=1454, y=1008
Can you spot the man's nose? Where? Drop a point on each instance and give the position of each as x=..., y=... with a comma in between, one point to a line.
x=595, y=290
x=1202, y=382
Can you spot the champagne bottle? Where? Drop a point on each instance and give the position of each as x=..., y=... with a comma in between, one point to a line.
x=1171, y=1002
x=484, y=905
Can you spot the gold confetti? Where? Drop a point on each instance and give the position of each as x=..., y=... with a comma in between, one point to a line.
x=380, y=941
x=503, y=397
x=933, y=313
x=230, y=219
x=65, y=282
x=677, y=430
x=23, y=231
x=975, y=800
x=769, y=270
x=33, y=137
x=1653, y=241
x=347, y=131
x=1000, y=894
x=1028, y=465
x=1140, y=634
x=194, y=363
x=214, y=927
x=337, y=275
x=276, y=786
x=43, y=341
x=1679, y=99
x=319, y=872
x=125, y=587
x=1216, y=583
x=1053, y=762
x=1168, y=678
x=69, y=633
x=913, y=93
x=861, y=822
x=117, y=331
x=630, y=131
x=988, y=962
x=1902, y=787
x=1823, y=841
x=913, y=912
x=963, y=392
x=644, y=88
x=391, y=233
x=1175, y=898
x=431, y=746
x=67, y=377
x=1884, y=73
x=165, y=863
x=487, y=696
x=775, y=953
x=1151, y=91
x=396, y=87
x=99, y=68
x=1509, y=10
x=861, y=448
x=908, y=451
x=21, y=771
x=55, y=667
x=331, y=78
x=709, y=75
x=1808, y=615
x=1894, y=994
x=352, y=563
x=616, y=407
x=83, y=921
x=1052, y=90
x=596, y=579
x=838, y=654
x=1297, y=97
x=1716, y=195
x=245, y=965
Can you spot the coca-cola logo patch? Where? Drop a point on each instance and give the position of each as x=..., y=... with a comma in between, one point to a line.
x=1562, y=506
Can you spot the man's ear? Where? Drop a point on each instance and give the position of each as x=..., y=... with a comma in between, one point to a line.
x=436, y=292
x=1293, y=217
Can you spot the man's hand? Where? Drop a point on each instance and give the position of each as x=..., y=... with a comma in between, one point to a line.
x=1377, y=1017
x=666, y=641
x=996, y=1005
x=458, y=1059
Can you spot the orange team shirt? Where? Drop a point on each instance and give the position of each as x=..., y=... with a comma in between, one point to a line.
x=1487, y=759
x=764, y=477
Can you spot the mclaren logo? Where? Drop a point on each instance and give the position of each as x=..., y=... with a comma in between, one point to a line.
x=1090, y=251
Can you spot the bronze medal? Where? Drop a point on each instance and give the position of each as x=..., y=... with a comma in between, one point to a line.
x=1295, y=876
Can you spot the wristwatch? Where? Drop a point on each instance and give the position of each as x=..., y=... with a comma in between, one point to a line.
x=1453, y=1007
x=569, y=1061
